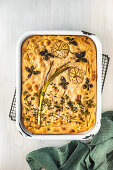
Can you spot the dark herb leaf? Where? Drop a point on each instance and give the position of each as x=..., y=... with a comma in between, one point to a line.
x=73, y=42
x=26, y=96
x=78, y=60
x=68, y=38
x=70, y=103
x=36, y=94
x=28, y=69
x=64, y=87
x=67, y=97
x=46, y=57
x=67, y=83
x=63, y=82
x=27, y=119
x=60, y=84
x=32, y=98
x=62, y=101
x=36, y=72
x=46, y=51
x=49, y=54
x=42, y=53
x=87, y=81
x=84, y=86
x=32, y=67
x=63, y=78
x=82, y=54
x=77, y=55
x=91, y=85
x=79, y=102
x=84, y=60
x=24, y=93
x=29, y=75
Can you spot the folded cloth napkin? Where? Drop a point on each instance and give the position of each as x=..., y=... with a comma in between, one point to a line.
x=97, y=155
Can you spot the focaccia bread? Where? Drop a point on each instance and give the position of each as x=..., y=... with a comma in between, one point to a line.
x=59, y=83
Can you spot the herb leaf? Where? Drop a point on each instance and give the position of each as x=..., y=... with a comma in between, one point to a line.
x=36, y=72
x=28, y=69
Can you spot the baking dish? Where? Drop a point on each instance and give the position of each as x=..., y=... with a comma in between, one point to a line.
x=81, y=136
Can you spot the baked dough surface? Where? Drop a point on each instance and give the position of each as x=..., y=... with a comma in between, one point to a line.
x=69, y=101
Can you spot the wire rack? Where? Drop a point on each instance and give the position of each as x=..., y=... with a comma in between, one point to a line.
x=105, y=63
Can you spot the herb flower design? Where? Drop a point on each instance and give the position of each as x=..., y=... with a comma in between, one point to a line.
x=87, y=85
x=63, y=83
x=71, y=41
x=46, y=54
x=31, y=71
x=81, y=57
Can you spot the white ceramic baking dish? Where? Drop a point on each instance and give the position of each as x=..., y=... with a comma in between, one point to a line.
x=85, y=136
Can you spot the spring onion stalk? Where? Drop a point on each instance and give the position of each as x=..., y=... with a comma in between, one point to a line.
x=46, y=84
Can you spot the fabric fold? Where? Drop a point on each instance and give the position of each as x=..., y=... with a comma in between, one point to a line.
x=97, y=155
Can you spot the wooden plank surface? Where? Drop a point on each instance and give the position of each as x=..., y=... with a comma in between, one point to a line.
x=18, y=16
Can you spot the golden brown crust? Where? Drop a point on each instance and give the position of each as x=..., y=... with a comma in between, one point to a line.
x=69, y=104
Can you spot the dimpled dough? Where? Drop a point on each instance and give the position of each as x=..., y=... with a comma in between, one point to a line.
x=69, y=102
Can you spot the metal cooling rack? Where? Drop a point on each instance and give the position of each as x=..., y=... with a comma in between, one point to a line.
x=105, y=63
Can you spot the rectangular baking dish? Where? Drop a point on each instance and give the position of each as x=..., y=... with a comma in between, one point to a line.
x=84, y=136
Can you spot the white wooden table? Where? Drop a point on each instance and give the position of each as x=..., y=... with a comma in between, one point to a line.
x=18, y=16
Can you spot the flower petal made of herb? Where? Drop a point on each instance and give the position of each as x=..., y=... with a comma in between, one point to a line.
x=67, y=83
x=24, y=93
x=82, y=54
x=84, y=60
x=64, y=86
x=29, y=75
x=84, y=86
x=61, y=84
x=87, y=81
x=73, y=42
x=63, y=78
x=32, y=67
x=78, y=60
x=28, y=69
x=91, y=85
x=49, y=54
x=45, y=51
x=77, y=55
x=72, y=39
x=32, y=98
x=68, y=38
x=36, y=72
x=36, y=94
x=42, y=53
x=46, y=57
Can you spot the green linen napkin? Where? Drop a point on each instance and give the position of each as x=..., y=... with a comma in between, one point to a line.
x=97, y=155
